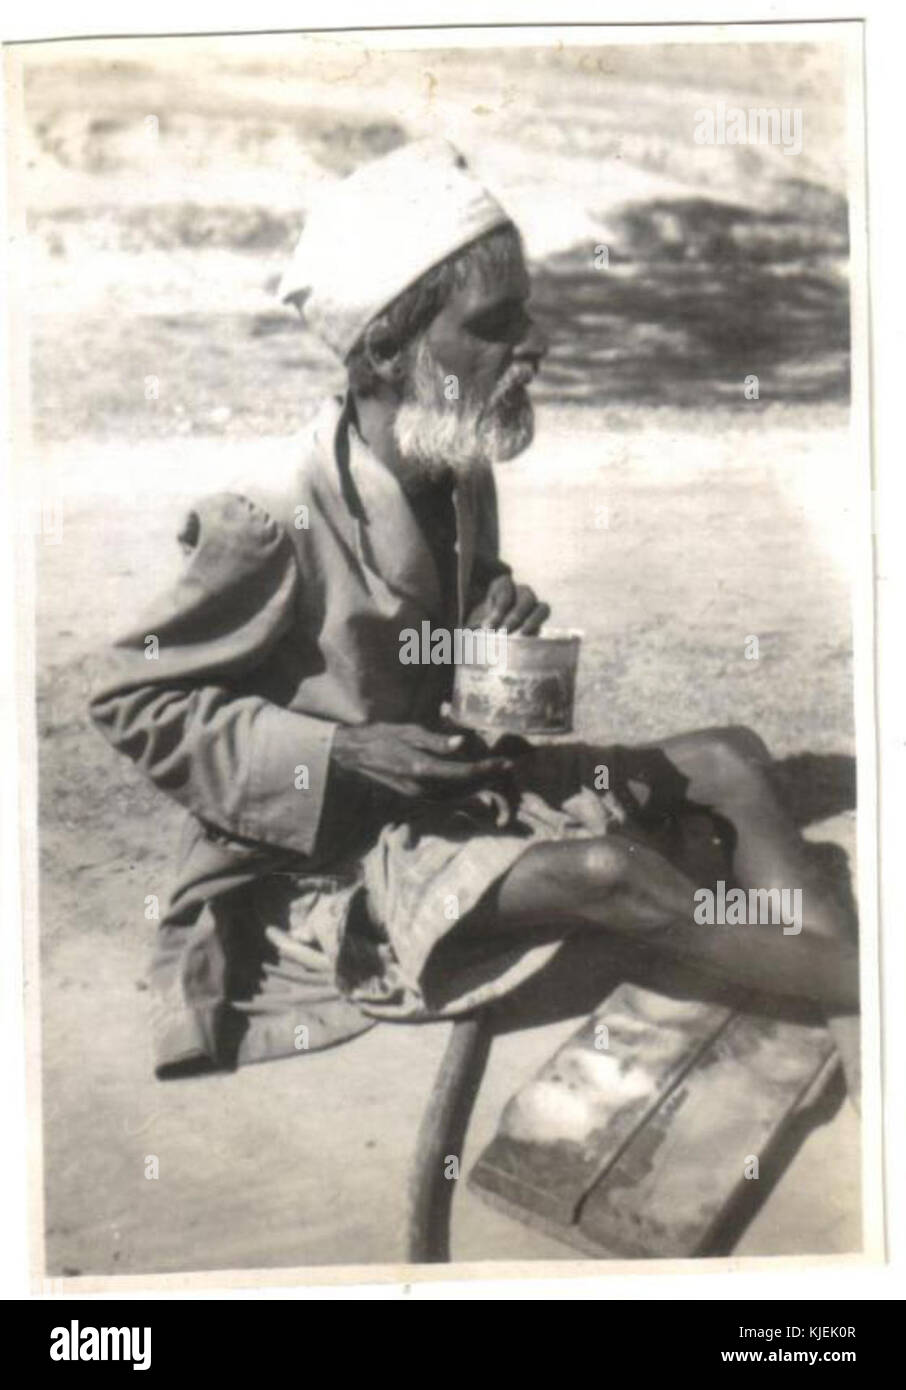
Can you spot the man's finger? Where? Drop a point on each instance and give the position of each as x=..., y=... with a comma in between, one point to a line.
x=501, y=597
x=431, y=769
x=443, y=744
x=535, y=620
x=478, y=616
x=403, y=786
x=525, y=604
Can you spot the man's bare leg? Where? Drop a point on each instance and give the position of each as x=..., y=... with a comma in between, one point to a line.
x=626, y=887
x=726, y=770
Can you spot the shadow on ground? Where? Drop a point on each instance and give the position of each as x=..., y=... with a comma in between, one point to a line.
x=696, y=296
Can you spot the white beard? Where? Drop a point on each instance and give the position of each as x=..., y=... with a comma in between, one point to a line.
x=435, y=437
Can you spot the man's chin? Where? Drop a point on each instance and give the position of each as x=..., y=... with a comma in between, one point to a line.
x=432, y=442
x=511, y=430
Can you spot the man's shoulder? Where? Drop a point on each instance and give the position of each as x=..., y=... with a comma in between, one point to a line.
x=285, y=475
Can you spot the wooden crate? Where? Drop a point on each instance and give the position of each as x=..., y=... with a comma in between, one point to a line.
x=655, y=1126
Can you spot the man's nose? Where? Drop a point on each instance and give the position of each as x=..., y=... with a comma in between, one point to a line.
x=532, y=346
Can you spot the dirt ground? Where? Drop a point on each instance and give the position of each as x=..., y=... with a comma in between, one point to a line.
x=660, y=511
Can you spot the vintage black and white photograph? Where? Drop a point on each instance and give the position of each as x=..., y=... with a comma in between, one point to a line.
x=445, y=459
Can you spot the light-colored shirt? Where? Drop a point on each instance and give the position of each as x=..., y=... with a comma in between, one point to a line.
x=284, y=623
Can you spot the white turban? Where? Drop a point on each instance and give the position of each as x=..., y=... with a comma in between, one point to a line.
x=372, y=235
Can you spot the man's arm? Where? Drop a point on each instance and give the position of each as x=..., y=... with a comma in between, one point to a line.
x=170, y=696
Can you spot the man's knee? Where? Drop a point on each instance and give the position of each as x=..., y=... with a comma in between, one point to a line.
x=743, y=742
x=721, y=763
x=603, y=862
x=734, y=748
x=572, y=873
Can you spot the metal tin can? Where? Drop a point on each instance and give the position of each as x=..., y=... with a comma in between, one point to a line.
x=529, y=690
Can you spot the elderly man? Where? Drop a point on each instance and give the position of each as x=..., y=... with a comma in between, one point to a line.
x=349, y=855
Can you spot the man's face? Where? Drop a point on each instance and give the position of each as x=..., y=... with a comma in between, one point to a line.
x=465, y=399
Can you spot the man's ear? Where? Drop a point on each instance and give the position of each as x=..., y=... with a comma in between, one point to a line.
x=383, y=354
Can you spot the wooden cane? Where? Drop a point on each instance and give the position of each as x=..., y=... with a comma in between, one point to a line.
x=440, y=1138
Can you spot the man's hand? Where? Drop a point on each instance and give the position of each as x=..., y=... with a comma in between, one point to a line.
x=513, y=607
x=411, y=760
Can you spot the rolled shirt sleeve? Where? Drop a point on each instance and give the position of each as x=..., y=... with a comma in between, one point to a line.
x=177, y=691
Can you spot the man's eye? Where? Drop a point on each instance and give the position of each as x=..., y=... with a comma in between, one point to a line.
x=500, y=323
